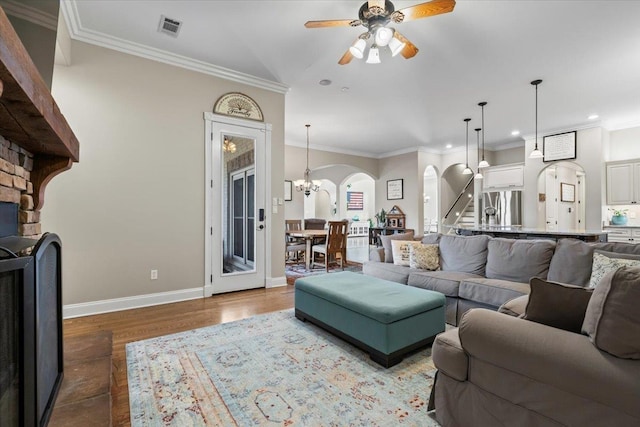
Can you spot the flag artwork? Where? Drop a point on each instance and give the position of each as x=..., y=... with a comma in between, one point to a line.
x=355, y=201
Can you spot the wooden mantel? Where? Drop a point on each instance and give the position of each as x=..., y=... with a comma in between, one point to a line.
x=29, y=117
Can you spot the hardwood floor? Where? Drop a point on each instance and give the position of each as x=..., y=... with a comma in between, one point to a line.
x=138, y=324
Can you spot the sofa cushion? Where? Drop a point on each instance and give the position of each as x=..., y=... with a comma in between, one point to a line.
x=401, y=251
x=464, y=254
x=386, y=243
x=446, y=282
x=604, y=262
x=519, y=260
x=612, y=319
x=492, y=292
x=557, y=305
x=432, y=238
x=572, y=260
x=449, y=356
x=425, y=257
x=387, y=271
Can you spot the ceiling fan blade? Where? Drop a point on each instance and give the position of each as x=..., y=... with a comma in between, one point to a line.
x=333, y=23
x=410, y=50
x=423, y=10
x=346, y=58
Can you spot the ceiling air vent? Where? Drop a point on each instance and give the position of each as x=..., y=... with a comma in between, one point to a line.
x=169, y=26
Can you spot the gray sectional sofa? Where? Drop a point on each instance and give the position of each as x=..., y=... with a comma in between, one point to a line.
x=485, y=272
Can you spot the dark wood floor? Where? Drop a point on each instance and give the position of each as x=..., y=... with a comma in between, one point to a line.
x=143, y=323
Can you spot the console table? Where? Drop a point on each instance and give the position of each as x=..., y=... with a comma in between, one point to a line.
x=376, y=232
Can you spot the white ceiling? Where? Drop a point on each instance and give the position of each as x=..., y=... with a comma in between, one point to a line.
x=586, y=52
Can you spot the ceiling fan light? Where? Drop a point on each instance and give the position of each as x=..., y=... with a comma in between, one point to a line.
x=357, y=50
x=383, y=36
x=483, y=164
x=374, y=55
x=396, y=46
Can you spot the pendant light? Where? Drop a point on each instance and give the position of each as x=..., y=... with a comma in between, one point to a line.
x=479, y=174
x=307, y=185
x=467, y=170
x=536, y=153
x=483, y=163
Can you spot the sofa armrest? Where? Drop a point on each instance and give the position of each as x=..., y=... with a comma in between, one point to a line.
x=562, y=359
x=515, y=307
x=376, y=255
x=448, y=355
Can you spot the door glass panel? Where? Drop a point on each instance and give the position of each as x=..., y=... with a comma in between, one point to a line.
x=238, y=214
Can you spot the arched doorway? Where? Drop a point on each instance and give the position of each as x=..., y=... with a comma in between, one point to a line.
x=430, y=196
x=561, y=197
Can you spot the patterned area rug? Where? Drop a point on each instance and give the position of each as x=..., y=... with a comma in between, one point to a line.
x=272, y=370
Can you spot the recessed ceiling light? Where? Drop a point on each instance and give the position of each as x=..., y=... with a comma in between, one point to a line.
x=448, y=146
x=344, y=89
x=593, y=117
x=515, y=132
x=325, y=82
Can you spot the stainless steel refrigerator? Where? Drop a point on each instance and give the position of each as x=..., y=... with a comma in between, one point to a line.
x=501, y=208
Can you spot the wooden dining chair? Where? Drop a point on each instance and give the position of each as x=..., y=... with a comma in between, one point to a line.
x=336, y=247
x=294, y=246
x=316, y=224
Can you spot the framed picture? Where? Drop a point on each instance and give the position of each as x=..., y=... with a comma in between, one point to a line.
x=561, y=146
x=394, y=189
x=567, y=192
x=355, y=201
x=288, y=191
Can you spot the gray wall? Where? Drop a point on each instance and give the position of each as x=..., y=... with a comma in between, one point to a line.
x=135, y=202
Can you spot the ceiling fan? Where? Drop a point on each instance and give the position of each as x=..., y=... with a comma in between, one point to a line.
x=375, y=15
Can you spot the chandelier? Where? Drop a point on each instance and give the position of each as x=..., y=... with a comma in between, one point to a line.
x=307, y=185
x=228, y=146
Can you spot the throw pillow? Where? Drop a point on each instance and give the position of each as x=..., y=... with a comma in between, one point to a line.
x=557, y=305
x=612, y=320
x=425, y=257
x=386, y=243
x=401, y=251
x=604, y=262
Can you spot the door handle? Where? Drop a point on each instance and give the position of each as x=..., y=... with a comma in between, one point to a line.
x=261, y=227
x=260, y=214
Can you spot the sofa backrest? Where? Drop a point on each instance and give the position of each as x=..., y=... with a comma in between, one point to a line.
x=573, y=259
x=519, y=260
x=465, y=254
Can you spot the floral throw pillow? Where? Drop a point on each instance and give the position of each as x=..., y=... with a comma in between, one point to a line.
x=401, y=251
x=603, y=264
x=425, y=257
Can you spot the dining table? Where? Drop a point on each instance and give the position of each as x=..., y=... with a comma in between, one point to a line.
x=308, y=236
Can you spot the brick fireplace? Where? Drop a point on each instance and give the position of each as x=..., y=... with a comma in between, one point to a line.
x=16, y=165
x=36, y=144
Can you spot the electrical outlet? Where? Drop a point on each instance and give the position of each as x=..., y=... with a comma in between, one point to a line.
x=154, y=274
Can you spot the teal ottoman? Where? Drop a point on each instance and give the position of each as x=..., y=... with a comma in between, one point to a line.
x=385, y=319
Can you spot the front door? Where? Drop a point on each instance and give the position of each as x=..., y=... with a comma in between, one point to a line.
x=236, y=217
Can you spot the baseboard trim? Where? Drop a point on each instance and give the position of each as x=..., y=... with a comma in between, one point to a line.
x=70, y=311
x=276, y=282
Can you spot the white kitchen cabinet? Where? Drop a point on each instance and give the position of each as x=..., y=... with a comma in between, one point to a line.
x=623, y=182
x=624, y=235
x=503, y=177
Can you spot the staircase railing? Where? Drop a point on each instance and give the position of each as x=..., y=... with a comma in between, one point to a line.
x=459, y=205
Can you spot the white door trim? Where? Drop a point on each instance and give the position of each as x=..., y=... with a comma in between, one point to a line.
x=209, y=119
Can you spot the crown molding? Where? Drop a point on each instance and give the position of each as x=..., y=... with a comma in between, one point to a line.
x=563, y=130
x=78, y=32
x=30, y=14
x=332, y=149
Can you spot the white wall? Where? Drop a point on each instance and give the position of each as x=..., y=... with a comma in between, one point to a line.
x=135, y=202
x=624, y=144
x=508, y=156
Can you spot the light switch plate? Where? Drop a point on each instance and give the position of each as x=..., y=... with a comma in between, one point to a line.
x=275, y=201
x=275, y=209
x=281, y=201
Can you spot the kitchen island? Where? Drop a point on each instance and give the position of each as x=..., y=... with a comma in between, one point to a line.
x=517, y=232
